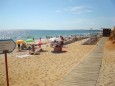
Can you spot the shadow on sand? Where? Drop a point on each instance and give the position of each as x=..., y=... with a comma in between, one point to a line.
x=58, y=52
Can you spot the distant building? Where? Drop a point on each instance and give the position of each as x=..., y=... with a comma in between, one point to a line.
x=106, y=32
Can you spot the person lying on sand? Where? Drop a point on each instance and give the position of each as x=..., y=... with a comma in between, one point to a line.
x=24, y=47
x=36, y=51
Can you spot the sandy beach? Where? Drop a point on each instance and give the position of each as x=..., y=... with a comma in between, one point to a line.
x=46, y=41
x=107, y=72
x=45, y=69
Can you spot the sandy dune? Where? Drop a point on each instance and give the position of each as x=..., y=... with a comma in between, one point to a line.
x=107, y=73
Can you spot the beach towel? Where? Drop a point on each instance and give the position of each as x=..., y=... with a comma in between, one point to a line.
x=22, y=56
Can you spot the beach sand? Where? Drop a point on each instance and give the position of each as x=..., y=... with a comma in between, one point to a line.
x=107, y=72
x=45, y=69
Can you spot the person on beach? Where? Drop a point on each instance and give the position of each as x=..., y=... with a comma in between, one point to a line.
x=24, y=47
x=18, y=47
x=36, y=50
x=33, y=38
x=62, y=40
x=32, y=50
x=40, y=43
x=53, y=43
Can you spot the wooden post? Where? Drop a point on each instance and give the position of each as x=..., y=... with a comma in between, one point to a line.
x=6, y=65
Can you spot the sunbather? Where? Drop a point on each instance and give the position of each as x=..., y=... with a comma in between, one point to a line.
x=24, y=47
x=36, y=51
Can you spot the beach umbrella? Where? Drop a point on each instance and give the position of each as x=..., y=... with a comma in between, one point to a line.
x=20, y=41
x=29, y=40
x=54, y=39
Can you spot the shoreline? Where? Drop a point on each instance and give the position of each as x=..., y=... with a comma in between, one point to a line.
x=36, y=34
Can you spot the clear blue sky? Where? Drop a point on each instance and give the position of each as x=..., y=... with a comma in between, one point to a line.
x=57, y=14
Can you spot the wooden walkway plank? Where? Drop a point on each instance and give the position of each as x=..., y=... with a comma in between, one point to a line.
x=86, y=73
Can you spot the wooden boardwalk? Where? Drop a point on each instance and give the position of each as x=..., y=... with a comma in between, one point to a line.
x=86, y=73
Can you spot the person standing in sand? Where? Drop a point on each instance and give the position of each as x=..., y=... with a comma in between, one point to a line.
x=18, y=47
x=40, y=43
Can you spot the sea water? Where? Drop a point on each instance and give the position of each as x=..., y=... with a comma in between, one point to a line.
x=36, y=34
